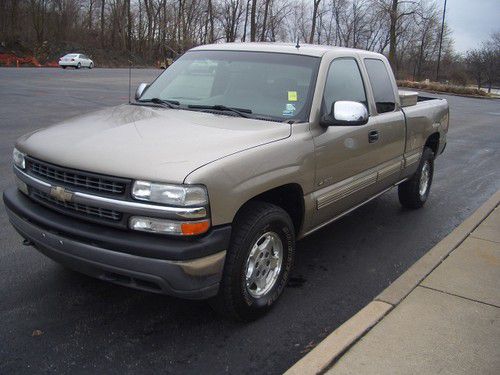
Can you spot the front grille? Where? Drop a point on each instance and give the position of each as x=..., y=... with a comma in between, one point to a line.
x=76, y=179
x=76, y=208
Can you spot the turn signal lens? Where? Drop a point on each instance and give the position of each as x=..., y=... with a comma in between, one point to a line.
x=193, y=228
x=163, y=226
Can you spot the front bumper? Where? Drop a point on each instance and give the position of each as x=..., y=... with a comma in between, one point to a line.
x=186, y=268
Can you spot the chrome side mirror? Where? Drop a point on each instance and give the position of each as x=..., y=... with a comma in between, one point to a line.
x=346, y=113
x=140, y=89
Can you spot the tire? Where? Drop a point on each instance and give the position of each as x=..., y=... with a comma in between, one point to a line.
x=414, y=192
x=91, y=65
x=258, y=224
x=79, y=66
x=63, y=67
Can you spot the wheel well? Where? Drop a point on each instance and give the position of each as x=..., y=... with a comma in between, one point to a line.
x=290, y=198
x=433, y=143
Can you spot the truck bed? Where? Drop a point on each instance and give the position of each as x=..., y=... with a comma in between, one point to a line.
x=429, y=116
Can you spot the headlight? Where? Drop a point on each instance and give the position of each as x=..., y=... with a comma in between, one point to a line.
x=163, y=226
x=175, y=195
x=18, y=157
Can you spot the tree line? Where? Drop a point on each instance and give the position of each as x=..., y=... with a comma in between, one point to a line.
x=407, y=31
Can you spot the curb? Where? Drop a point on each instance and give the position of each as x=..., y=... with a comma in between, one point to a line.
x=340, y=340
x=328, y=351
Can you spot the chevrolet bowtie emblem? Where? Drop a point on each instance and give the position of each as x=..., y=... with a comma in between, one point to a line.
x=61, y=194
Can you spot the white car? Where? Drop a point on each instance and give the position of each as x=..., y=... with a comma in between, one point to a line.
x=76, y=60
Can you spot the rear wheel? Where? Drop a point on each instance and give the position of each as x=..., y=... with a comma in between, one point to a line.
x=79, y=66
x=414, y=192
x=91, y=65
x=258, y=262
x=63, y=67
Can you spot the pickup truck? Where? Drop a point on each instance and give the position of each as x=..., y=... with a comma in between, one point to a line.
x=200, y=187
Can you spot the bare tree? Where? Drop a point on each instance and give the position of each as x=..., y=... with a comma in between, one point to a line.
x=396, y=10
x=405, y=30
x=264, y=22
x=253, y=21
x=490, y=52
x=475, y=65
x=314, y=15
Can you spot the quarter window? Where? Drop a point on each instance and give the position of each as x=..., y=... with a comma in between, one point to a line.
x=383, y=91
x=344, y=82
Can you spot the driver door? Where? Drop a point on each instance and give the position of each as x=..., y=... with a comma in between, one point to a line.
x=346, y=156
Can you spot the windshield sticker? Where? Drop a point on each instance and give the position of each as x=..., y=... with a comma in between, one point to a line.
x=292, y=96
x=289, y=110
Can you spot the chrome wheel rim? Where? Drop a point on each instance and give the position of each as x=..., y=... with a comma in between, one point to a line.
x=424, y=179
x=263, y=264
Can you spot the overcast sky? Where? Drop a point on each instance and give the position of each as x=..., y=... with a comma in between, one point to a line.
x=472, y=21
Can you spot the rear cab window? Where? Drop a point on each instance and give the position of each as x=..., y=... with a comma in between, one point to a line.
x=380, y=81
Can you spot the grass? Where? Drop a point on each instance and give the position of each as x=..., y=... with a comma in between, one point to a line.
x=442, y=87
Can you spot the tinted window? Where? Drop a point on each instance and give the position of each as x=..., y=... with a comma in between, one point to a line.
x=383, y=91
x=344, y=82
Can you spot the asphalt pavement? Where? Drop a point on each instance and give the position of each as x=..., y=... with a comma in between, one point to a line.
x=56, y=320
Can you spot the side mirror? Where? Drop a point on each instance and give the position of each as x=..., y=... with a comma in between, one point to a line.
x=346, y=113
x=140, y=89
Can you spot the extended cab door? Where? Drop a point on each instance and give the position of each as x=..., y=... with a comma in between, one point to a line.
x=392, y=124
x=349, y=158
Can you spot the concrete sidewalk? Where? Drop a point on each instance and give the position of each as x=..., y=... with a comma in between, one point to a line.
x=441, y=316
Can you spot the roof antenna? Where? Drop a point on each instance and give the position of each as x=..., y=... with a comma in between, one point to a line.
x=298, y=45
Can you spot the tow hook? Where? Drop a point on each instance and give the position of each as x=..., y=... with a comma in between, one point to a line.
x=27, y=242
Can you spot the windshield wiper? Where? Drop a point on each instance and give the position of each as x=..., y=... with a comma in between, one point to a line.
x=242, y=112
x=165, y=102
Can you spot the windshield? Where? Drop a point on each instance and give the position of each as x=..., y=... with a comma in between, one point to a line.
x=266, y=85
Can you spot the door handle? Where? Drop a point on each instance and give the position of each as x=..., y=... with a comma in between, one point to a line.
x=373, y=136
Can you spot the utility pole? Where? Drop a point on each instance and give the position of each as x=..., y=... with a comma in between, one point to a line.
x=441, y=42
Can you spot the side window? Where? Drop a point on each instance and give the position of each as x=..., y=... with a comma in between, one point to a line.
x=343, y=82
x=381, y=85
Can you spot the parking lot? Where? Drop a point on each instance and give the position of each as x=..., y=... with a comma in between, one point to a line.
x=89, y=325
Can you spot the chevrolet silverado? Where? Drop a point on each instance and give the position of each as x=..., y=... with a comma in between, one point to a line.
x=201, y=186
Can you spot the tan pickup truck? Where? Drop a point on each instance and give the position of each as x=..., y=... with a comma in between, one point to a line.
x=202, y=185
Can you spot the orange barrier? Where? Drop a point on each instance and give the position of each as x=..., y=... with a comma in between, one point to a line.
x=8, y=59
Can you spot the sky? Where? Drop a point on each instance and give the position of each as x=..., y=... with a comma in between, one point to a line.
x=471, y=21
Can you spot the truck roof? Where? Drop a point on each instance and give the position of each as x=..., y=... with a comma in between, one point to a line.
x=290, y=48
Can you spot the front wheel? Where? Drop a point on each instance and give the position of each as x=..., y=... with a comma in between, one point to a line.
x=414, y=192
x=258, y=262
x=79, y=66
x=91, y=65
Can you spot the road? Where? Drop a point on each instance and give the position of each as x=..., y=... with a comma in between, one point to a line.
x=91, y=325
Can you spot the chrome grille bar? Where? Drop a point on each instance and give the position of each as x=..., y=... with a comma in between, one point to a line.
x=102, y=213
x=129, y=207
x=74, y=178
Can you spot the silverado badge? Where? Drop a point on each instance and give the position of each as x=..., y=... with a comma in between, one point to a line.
x=61, y=194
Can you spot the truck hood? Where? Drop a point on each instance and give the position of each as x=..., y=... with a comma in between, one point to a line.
x=150, y=143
